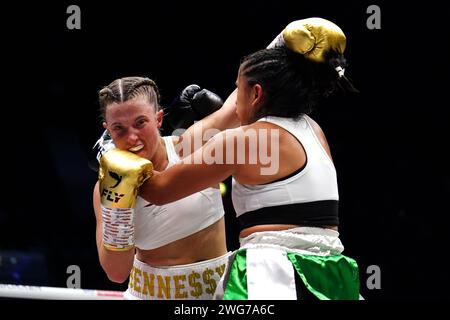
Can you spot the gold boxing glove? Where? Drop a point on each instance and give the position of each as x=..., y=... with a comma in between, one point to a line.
x=312, y=37
x=120, y=175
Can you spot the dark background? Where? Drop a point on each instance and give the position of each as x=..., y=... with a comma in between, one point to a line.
x=388, y=143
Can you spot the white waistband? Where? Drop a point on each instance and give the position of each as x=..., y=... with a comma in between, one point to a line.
x=303, y=240
x=190, y=281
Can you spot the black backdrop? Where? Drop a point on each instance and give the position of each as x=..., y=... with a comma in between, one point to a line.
x=388, y=142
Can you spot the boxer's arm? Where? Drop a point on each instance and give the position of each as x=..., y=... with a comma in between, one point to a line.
x=120, y=175
x=312, y=37
x=205, y=167
x=116, y=264
x=201, y=131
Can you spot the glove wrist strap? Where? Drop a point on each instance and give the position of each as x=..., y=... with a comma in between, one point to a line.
x=277, y=42
x=118, y=228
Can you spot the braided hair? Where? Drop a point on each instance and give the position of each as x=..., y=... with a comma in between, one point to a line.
x=124, y=89
x=293, y=85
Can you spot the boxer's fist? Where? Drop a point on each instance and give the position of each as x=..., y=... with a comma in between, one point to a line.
x=193, y=104
x=120, y=175
x=312, y=37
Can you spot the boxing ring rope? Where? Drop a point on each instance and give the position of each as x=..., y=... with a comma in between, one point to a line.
x=55, y=293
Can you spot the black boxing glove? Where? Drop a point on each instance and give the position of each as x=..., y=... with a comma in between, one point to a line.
x=193, y=104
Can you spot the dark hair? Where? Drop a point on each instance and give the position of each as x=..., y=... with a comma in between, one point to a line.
x=124, y=89
x=292, y=84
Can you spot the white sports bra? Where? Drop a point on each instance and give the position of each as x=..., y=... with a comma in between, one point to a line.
x=309, y=197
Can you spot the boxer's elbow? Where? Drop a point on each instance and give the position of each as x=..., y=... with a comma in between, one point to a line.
x=118, y=277
x=115, y=274
x=117, y=265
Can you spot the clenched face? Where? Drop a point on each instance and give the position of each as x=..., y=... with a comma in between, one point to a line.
x=134, y=126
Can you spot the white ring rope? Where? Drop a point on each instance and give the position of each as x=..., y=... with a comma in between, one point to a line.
x=55, y=293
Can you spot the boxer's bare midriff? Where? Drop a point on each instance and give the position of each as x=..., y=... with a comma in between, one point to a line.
x=206, y=244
